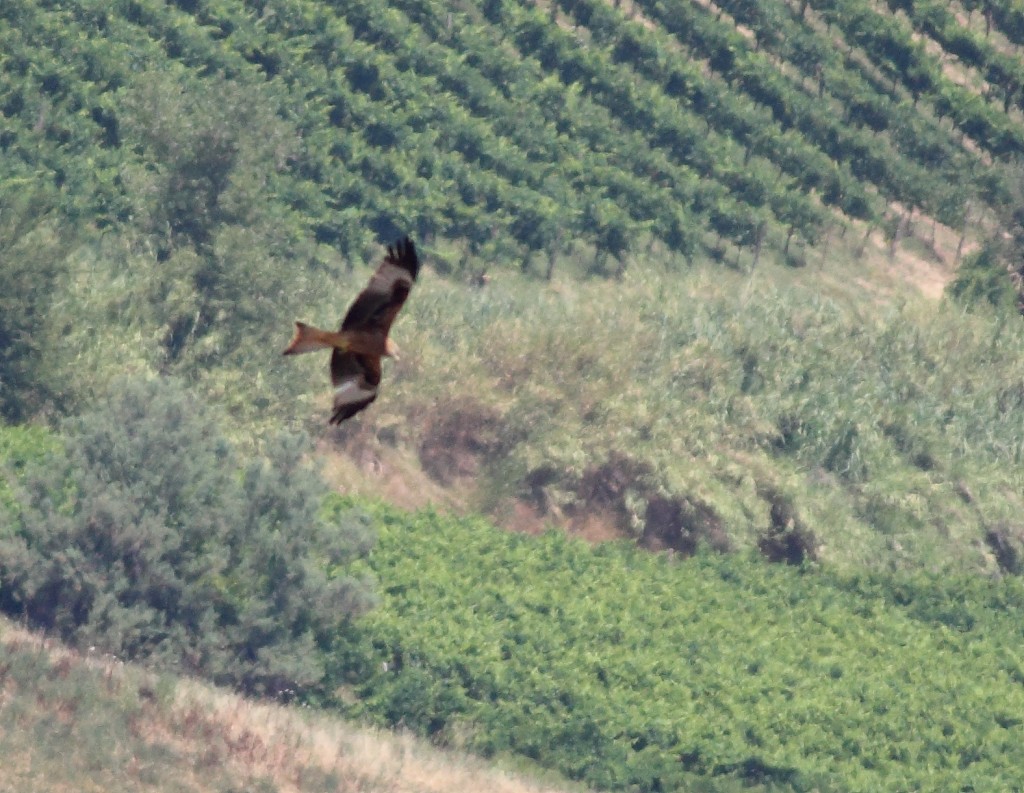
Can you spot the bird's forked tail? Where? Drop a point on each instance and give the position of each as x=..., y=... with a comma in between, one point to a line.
x=310, y=339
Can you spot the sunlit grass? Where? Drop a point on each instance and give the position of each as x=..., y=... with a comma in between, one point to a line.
x=71, y=722
x=890, y=422
x=875, y=418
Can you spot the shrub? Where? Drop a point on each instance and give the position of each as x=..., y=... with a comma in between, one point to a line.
x=984, y=280
x=148, y=538
x=20, y=446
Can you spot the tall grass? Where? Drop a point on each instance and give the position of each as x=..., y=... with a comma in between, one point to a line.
x=887, y=427
x=893, y=430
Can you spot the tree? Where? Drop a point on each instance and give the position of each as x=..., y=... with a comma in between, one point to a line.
x=147, y=537
x=31, y=249
x=208, y=152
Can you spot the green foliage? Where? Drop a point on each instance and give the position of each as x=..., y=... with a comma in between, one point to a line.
x=219, y=146
x=984, y=280
x=21, y=447
x=637, y=671
x=149, y=537
x=24, y=445
x=718, y=409
x=207, y=169
x=172, y=119
x=204, y=172
x=221, y=251
x=30, y=256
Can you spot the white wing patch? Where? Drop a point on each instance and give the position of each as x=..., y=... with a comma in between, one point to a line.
x=350, y=392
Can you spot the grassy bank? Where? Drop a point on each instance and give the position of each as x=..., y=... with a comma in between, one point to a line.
x=722, y=408
x=88, y=722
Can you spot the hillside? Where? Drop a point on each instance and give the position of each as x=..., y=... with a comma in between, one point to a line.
x=88, y=721
x=730, y=290
x=684, y=409
x=513, y=127
x=179, y=180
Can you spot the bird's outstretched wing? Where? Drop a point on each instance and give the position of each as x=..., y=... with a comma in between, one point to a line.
x=355, y=378
x=356, y=375
x=376, y=307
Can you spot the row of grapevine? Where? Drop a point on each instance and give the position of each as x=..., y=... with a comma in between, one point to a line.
x=1006, y=15
x=893, y=49
x=380, y=171
x=708, y=160
x=866, y=103
x=391, y=140
x=1004, y=73
x=382, y=128
x=54, y=126
x=545, y=152
x=497, y=125
x=862, y=151
x=684, y=135
x=389, y=147
x=652, y=59
x=386, y=30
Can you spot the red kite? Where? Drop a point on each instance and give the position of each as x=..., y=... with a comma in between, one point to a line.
x=362, y=340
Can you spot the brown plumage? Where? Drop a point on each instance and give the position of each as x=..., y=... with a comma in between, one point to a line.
x=362, y=340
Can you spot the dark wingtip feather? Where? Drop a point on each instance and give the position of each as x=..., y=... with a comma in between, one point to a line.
x=345, y=412
x=403, y=253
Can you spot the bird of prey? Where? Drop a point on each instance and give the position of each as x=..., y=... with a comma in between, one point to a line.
x=358, y=346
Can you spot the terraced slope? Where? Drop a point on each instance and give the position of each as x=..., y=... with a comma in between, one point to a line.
x=519, y=127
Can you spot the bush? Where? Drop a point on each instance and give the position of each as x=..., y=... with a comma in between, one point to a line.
x=148, y=537
x=984, y=280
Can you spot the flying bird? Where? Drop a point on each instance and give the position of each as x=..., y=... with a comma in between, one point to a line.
x=358, y=346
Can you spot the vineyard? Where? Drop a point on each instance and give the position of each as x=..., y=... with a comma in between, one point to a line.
x=194, y=168
x=635, y=671
x=183, y=179
x=519, y=127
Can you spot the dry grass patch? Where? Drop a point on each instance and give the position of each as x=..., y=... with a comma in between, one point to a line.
x=78, y=722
